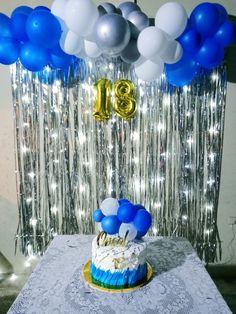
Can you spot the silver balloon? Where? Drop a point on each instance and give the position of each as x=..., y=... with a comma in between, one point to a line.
x=108, y=7
x=139, y=19
x=130, y=54
x=128, y=7
x=112, y=33
x=101, y=10
x=134, y=30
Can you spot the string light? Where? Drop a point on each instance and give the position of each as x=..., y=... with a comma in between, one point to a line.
x=13, y=277
x=31, y=175
x=33, y=222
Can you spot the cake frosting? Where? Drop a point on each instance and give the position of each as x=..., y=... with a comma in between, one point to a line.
x=118, y=264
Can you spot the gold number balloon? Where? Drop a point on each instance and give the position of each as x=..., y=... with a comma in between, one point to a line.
x=102, y=107
x=125, y=104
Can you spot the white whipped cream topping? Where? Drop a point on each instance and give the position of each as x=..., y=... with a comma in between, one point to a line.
x=116, y=258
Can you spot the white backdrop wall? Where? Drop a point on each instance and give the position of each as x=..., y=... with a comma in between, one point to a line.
x=8, y=206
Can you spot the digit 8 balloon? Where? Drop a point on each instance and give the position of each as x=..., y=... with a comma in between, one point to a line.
x=125, y=104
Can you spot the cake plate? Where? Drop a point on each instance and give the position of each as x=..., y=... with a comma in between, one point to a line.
x=88, y=278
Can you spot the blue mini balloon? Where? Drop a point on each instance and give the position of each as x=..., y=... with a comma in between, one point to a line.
x=111, y=224
x=98, y=215
x=139, y=206
x=33, y=57
x=123, y=201
x=9, y=50
x=126, y=212
x=142, y=221
x=226, y=34
x=205, y=18
x=5, y=26
x=190, y=40
x=141, y=234
x=43, y=28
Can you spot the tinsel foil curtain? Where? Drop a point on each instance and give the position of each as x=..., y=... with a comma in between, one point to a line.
x=168, y=157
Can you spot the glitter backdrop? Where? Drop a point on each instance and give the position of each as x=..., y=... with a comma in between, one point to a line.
x=168, y=157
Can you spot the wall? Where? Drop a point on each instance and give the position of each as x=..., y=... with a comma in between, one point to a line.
x=8, y=206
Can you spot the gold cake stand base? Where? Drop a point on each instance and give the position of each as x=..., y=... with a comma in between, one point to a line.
x=88, y=278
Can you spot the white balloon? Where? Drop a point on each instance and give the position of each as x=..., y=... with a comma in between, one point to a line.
x=71, y=43
x=172, y=18
x=172, y=53
x=147, y=70
x=58, y=8
x=128, y=227
x=81, y=16
x=151, y=41
x=109, y=206
x=92, y=49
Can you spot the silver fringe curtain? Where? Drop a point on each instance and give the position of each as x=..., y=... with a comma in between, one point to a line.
x=168, y=157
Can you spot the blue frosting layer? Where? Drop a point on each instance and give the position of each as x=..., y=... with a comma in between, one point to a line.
x=119, y=278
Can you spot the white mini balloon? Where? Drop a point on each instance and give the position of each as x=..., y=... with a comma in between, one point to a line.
x=58, y=8
x=91, y=49
x=81, y=16
x=172, y=18
x=71, y=43
x=172, y=53
x=147, y=70
x=109, y=206
x=151, y=41
x=130, y=228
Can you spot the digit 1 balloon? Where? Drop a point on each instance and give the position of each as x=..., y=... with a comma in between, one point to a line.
x=102, y=104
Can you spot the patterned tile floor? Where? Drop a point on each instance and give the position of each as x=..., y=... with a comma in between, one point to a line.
x=9, y=290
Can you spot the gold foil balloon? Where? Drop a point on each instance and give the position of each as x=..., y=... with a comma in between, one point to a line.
x=103, y=100
x=125, y=104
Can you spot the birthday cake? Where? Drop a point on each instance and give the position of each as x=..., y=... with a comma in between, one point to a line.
x=119, y=254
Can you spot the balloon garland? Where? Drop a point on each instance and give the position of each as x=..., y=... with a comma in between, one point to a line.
x=121, y=217
x=72, y=29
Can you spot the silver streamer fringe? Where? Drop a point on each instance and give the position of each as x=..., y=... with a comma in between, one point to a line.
x=168, y=157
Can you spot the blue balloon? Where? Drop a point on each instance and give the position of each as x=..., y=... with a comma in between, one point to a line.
x=18, y=23
x=226, y=34
x=43, y=29
x=60, y=59
x=98, y=215
x=42, y=8
x=22, y=10
x=139, y=206
x=142, y=221
x=5, y=26
x=209, y=52
x=223, y=15
x=111, y=224
x=190, y=40
x=33, y=57
x=141, y=234
x=123, y=201
x=183, y=72
x=126, y=212
x=9, y=50
x=205, y=18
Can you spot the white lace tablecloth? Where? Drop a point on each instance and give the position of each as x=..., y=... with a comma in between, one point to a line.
x=180, y=284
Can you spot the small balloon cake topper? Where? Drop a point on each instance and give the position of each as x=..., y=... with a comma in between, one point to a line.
x=122, y=218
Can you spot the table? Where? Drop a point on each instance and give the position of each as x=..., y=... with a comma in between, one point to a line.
x=180, y=284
